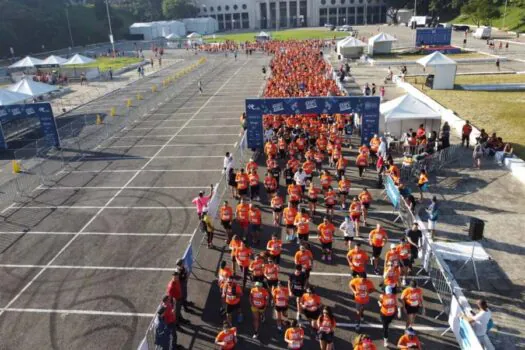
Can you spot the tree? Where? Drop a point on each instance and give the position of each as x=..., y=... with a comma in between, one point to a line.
x=393, y=8
x=174, y=9
x=100, y=9
x=481, y=11
x=146, y=10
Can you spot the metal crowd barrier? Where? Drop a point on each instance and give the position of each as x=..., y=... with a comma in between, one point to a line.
x=431, y=163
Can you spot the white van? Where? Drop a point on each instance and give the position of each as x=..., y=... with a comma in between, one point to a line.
x=482, y=33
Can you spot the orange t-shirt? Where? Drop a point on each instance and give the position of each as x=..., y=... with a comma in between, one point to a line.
x=355, y=209
x=405, y=342
x=342, y=163
x=251, y=166
x=361, y=160
x=253, y=179
x=296, y=336
x=423, y=179
x=233, y=299
x=270, y=182
x=228, y=337
x=326, y=232
x=224, y=274
x=330, y=197
x=308, y=167
x=412, y=296
x=277, y=202
x=226, y=213
x=388, y=304
x=242, y=255
x=302, y=223
x=289, y=215
x=234, y=245
x=344, y=185
x=271, y=271
x=365, y=197
x=281, y=296
x=326, y=324
x=310, y=302
x=295, y=192
x=257, y=267
x=274, y=247
x=358, y=259
x=363, y=288
x=258, y=297
x=392, y=256
x=255, y=216
x=378, y=237
x=313, y=192
x=392, y=276
x=304, y=258
x=326, y=180
x=403, y=250
x=243, y=212
x=242, y=181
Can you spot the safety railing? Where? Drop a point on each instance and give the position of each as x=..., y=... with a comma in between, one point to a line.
x=430, y=162
x=40, y=163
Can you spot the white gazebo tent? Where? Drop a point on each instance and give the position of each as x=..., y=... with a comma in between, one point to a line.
x=54, y=61
x=350, y=47
x=444, y=70
x=262, y=36
x=8, y=97
x=172, y=36
x=27, y=62
x=78, y=60
x=407, y=112
x=31, y=88
x=194, y=36
x=380, y=43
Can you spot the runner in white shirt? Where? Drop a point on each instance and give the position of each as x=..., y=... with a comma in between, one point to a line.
x=479, y=322
x=300, y=178
x=228, y=163
x=348, y=229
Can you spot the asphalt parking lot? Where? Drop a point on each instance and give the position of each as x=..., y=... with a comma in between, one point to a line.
x=91, y=256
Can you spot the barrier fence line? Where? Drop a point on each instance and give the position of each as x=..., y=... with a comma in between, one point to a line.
x=41, y=163
x=447, y=290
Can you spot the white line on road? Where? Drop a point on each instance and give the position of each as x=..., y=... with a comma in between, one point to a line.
x=62, y=188
x=139, y=157
x=339, y=274
x=75, y=267
x=63, y=233
x=93, y=218
x=82, y=207
x=78, y=312
x=177, y=145
x=144, y=170
x=394, y=326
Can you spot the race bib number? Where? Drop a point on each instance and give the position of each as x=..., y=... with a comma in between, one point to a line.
x=391, y=310
x=257, y=303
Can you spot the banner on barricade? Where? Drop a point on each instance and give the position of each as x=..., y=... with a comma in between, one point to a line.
x=392, y=192
x=188, y=258
x=461, y=328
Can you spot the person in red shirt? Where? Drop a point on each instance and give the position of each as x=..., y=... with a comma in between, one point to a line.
x=388, y=308
x=289, y=219
x=257, y=268
x=403, y=250
x=253, y=180
x=344, y=188
x=294, y=336
x=242, y=179
x=357, y=260
x=465, y=134
x=227, y=338
x=274, y=248
x=243, y=256
x=270, y=184
x=277, y=204
x=312, y=194
x=365, y=198
x=361, y=288
x=325, y=233
x=281, y=297
x=231, y=294
x=167, y=315
x=271, y=273
x=409, y=341
x=242, y=214
x=174, y=291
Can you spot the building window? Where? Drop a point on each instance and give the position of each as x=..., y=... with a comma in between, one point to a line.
x=211, y=9
x=342, y=2
x=323, y=2
x=245, y=20
x=351, y=1
x=360, y=1
x=205, y=9
x=235, y=7
x=220, y=9
x=333, y=2
x=244, y=7
x=226, y=8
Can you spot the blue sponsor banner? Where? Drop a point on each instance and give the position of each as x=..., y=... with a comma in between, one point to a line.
x=433, y=36
x=42, y=111
x=392, y=192
x=2, y=138
x=188, y=258
x=365, y=106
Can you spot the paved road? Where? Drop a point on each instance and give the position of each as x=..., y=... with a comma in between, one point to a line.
x=102, y=242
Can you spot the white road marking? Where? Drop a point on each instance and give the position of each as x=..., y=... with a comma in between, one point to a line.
x=8, y=208
x=75, y=267
x=78, y=312
x=63, y=233
x=82, y=207
x=145, y=158
x=393, y=326
x=339, y=274
x=61, y=188
x=176, y=145
x=144, y=170
x=30, y=283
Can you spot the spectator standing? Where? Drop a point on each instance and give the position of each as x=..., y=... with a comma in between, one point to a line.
x=373, y=89
x=166, y=326
x=480, y=321
x=110, y=73
x=382, y=93
x=465, y=134
x=227, y=163
x=445, y=135
x=201, y=201
x=174, y=291
x=413, y=236
x=433, y=215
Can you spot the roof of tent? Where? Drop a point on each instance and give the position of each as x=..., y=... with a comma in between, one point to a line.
x=54, y=60
x=27, y=62
x=194, y=35
x=407, y=107
x=8, y=97
x=78, y=59
x=172, y=36
x=351, y=42
x=436, y=59
x=31, y=88
x=263, y=34
x=141, y=25
x=381, y=37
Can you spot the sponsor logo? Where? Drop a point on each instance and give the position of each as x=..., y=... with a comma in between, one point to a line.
x=278, y=107
x=344, y=106
x=311, y=104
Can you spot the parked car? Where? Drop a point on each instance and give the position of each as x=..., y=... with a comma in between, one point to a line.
x=460, y=28
x=329, y=26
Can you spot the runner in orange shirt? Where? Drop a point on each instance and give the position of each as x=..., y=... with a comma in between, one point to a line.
x=388, y=304
x=309, y=167
x=274, y=248
x=235, y=244
x=403, y=249
x=357, y=260
x=391, y=276
x=365, y=198
x=253, y=180
x=319, y=159
x=344, y=189
x=271, y=273
x=227, y=338
x=232, y=293
x=355, y=214
x=325, y=232
x=326, y=326
x=302, y=225
x=242, y=257
x=363, y=342
x=242, y=179
x=311, y=306
x=225, y=272
x=226, y=215
x=377, y=240
x=409, y=341
x=277, y=204
x=255, y=222
x=330, y=199
x=289, y=218
x=422, y=183
x=362, y=288
x=295, y=193
x=257, y=268
x=392, y=256
x=362, y=163
x=341, y=165
x=280, y=297
x=270, y=184
x=412, y=299
x=313, y=192
x=258, y=301
x=326, y=180
x=304, y=258
x=242, y=214
x=294, y=336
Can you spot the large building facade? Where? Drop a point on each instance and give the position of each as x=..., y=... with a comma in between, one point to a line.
x=273, y=15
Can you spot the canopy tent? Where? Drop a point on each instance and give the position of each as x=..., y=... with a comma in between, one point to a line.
x=350, y=47
x=8, y=97
x=262, y=36
x=54, y=61
x=193, y=36
x=407, y=112
x=172, y=36
x=27, y=62
x=380, y=43
x=78, y=60
x=31, y=88
x=444, y=70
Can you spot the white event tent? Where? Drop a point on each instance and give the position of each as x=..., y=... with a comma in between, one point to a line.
x=380, y=43
x=262, y=36
x=78, y=60
x=27, y=62
x=172, y=36
x=350, y=47
x=407, y=112
x=54, y=61
x=31, y=88
x=444, y=70
x=8, y=97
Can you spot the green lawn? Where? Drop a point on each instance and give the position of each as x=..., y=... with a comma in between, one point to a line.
x=104, y=63
x=500, y=112
x=288, y=34
x=514, y=21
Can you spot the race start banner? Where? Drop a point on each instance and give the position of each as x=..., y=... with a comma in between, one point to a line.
x=42, y=111
x=367, y=107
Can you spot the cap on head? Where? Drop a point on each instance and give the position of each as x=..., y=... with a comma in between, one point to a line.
x=258, y=284
x=388, y=290
x=410, y=331
x=179, y=262
x=392, y=246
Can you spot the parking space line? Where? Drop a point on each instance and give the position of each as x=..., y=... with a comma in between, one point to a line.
x=78, y=312
x=165, y=136
x=144, y=157
x=83, y=207
x=95, y=216
x=176, y=145
x=75, y=267
x=339, y=274
x=63, y=233
x=62, y=188
x=206, y=135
